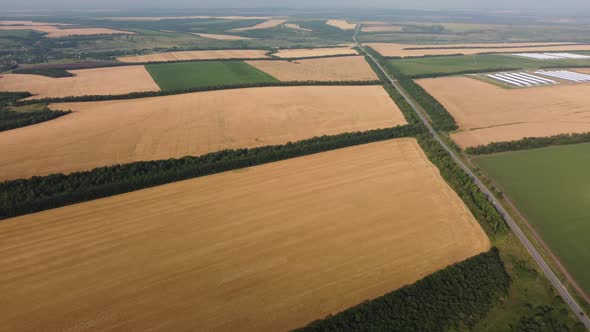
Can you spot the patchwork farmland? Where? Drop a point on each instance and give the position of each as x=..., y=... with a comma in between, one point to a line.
x=123, y=131
x=96, y=81
x=195, y=55
x=489, y=113
x=550, y=187
x=338, y=203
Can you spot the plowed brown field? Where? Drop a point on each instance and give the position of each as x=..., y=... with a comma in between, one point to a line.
x=269, y=248
x=123, y=131
x=405, y=50
x=349, y=68
x=487, y=113
x=196, y=55
x=313, y=52
x=97, y=81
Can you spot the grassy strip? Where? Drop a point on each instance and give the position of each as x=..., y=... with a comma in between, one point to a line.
x=528, y=143
x=441, y=118
x=455, y=297
x=41, y=193
x=136, y=95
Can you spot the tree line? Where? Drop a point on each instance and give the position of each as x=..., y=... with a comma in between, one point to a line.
x=12, y=120
x=146, y=94
x=453, y=298
x=40, y=193
x=441, y=118
x=528, y=143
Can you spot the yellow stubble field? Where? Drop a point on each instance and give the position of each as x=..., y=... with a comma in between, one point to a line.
x=346, y=68
x=405, y=50
x=315, y=52
x=195, y=55
x=85, y=82
x=269, y=248
x=487, y=113
x=122, y=131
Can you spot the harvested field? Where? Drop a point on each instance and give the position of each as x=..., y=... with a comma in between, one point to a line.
x=54, y=32
x=159, y=18
x=488, y=113
x=341, y=24
x=406, y=50
x=221, y=37
x=113, y=132
x=97, y=81
x=237, y=251
x=349, y=68
x=296, y=27
x=380, y=27
x=195, y=55
x=265, y=25
x=314, y=52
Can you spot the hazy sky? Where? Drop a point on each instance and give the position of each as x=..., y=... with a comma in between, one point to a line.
x=422, y=4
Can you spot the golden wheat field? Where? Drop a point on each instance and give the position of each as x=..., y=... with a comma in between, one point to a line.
x=221, y=37
x=195, y=55
x=341, y=24
x=315, y=52
x=405, y=50
x=489, y=113
x=123, y=131
x=54, y=32
x=264, y=25
x=85, y=82
x=346, y=68
x=296, y=27
x=268, y=248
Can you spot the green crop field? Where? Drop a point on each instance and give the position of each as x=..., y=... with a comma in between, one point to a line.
x=551, y=187
x=187, y=75
x=448, y=65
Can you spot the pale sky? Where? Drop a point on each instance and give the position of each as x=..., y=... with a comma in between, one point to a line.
x=572, y=5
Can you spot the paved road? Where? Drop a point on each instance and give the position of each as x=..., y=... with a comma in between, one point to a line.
x=567, y=297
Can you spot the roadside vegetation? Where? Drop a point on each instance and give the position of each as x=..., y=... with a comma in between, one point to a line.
x=529, y=143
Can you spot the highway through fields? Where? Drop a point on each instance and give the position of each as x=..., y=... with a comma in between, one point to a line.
x=561, y=289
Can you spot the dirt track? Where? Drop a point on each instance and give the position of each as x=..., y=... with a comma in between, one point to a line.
x=112, y=132
x=269, y=248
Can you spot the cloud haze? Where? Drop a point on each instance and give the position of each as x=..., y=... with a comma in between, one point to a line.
x=390, y=4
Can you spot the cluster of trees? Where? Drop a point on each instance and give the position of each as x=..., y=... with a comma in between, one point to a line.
x=455, y=297
x=545, y=319
x=441, y=118
x=11, y=120
x=477, y=202
x=529, y=143
x=135, y=95
x=24, y=196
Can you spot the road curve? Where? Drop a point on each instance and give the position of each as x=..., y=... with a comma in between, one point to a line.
x=563, y=292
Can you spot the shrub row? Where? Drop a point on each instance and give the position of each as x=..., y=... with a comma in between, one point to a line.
x=453, y=298
x=11, y=120
x=529, y=143
x=20, y=197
